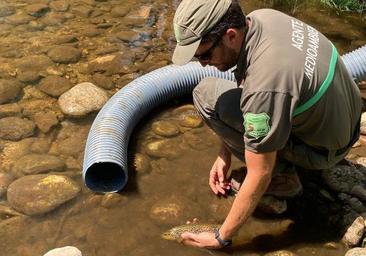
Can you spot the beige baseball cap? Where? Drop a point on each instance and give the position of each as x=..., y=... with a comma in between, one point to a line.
x=192, y=20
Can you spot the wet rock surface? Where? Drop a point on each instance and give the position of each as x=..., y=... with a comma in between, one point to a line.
x=9, y=90
x=162, y=148
x=38, y=194
x=280, y=253
x=82, y=99
x=64, y=54
x=356, y=252
x=5, y=180
x=16, y=128
x=37, y=10
x=37, y=163
x=355, y=232
x=55, y=85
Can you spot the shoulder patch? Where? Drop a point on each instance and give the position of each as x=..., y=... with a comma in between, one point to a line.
x=256, y=125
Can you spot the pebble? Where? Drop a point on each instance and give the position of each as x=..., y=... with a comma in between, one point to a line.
x=110, y=64
x=82, y=99
x=355, y=232
x=64, y=54
x=165, y=128
x=358, y=251
x=64, y=251
x=37, y=163
x=6, y=10
x=71, y=146
x=9, y=90
x=37, y=10
x=45, y=120
x=59, y=6
x=55, y=85
x=16, y=128
x=29, y=76
x=65, y=39
x=128, y=36
x=5, y=180
x=39, y=194
x=41, y=145
x=141, y=163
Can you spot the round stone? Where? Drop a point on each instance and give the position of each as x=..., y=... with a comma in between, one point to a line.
x=38, y=194
x=120, y=11
x=64, y=54
x=12, y=109
x=142, y=163
x=165, y=128
x=54, y=85
x=162, y=148
x=355, y=232
x=280, y=253
x=37, y=163
x=356, y=252
x=191, y=121
x=82, y=99
x=16, y=128
x=64, y=251
x=37, y=10
x=19, y=19
x=9, y=90
x=128, y=36
x=45, y=120
x=59, y=6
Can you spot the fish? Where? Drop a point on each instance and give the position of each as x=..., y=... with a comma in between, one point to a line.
x=176, y=232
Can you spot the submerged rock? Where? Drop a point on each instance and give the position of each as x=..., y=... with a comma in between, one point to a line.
x=363, y=124
x=272, y=205
x=37, y=10
x=64, y=251
x=280, y=253
x=55, y=85
x=38, y=163
x=45, y=120
x=16, y=128
x=167, y=211
x=9, y=90
x=141, y=163
x=165, y=128
x=38, y=194
x=191, y=121
x=82, y=99
x=355, y=232
x=162, y=148
x=64, y=54
x=59, y=5
x=356, y=252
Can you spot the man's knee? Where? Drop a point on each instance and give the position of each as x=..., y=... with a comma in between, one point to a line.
x=204, y=93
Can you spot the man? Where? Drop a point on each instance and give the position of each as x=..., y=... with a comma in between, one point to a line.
x=294, y=103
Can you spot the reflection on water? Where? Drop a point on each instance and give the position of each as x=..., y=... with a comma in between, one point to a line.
x=46, y=48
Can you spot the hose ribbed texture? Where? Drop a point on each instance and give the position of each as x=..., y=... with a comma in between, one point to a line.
x=105, y=166
x=105, y=160
x=355, y=62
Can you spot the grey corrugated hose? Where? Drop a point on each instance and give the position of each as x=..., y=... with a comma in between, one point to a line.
x=105, y=167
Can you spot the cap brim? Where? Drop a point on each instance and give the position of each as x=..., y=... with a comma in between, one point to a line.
x=184, y=53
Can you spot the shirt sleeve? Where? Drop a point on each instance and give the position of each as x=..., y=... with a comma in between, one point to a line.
x=267, y=120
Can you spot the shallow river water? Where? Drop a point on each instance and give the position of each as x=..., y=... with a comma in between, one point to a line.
x=109, y=43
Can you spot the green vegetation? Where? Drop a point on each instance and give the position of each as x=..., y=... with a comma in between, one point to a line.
x=347, y=5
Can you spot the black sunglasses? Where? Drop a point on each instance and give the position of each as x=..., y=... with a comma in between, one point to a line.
x=206, y=56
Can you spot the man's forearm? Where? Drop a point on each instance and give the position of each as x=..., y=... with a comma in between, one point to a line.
x=255, y=184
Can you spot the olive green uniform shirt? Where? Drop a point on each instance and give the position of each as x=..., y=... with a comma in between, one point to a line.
x=282, y=64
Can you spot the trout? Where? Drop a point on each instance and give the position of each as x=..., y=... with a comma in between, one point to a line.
x=176, y=232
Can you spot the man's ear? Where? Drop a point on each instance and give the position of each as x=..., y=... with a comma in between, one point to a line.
x=231, y=35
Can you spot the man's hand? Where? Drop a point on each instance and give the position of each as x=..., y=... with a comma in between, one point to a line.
x=217, y=179
x=201, y=240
